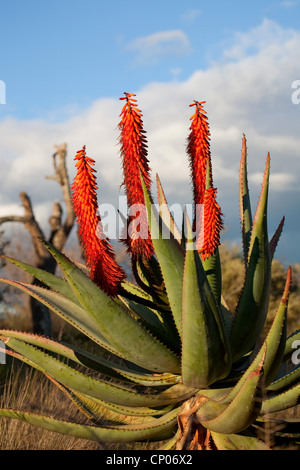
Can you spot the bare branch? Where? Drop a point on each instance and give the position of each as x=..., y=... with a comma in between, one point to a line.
x=60, y=234
x=55, y=218
x=30, y=224
x=12, y=218
x=33, y=228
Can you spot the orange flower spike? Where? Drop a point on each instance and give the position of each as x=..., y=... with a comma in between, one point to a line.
x=134, y=159
x=209, y=239
x=99, y=256
x=209, y=225
x=198, y=149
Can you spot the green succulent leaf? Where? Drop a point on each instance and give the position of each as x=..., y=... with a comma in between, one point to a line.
x=165, y=212
x=238, y=442
x=281, y=401
x=157, y=323
x=125, y=371
x=171, y=443
x=117, y=324
x=54, y=282
x=287, y=380
x=276, y=338
x=170, y=257
x=291, y=345
x=156, y=430
x=220, y=398
x=96, y=410
x=245, y=204
x=212, y=268
x=66, y=309
x=236, y=416
x=99, y=408
x=96, y=388
x=253, y=304
x=205, y=347
x=274, y=240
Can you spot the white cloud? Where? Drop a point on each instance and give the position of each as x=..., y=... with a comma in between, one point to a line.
x=281, y=182
x=191, y=14
x=154, y=47
x=266, y=38
x=289, y=3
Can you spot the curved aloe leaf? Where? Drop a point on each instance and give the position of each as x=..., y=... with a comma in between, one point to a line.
x=96, y=410
x=227, y=316
x=274, y=240
x=212, y=268
x=116, y=323
x=157, y=323
x=238, y=442
x=282, y=401
x=205, y=348
x=149, y=299
x=159, y=429
x=77, y=355
x=126, y=372
x=245, y=204
x=240, y=412
x=253, y=304
x=165, y=213
x=66, y=309
x=170, y=256
x=288, y=380
x=120, y=413
x=54, y=282
x=292, y=341
x=171, y=443
x=96, y=388
x=224, y=396
x=276, y=338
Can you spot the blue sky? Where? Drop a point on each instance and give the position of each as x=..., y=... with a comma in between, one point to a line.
x=68, y=53
x=65, y=64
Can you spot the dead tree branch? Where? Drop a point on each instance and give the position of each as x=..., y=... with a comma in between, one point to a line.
x=59, y=232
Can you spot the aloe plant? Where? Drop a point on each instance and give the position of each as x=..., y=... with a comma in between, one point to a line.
x=171, y=363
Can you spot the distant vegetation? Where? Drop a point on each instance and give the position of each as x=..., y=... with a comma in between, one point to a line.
x=233, y=276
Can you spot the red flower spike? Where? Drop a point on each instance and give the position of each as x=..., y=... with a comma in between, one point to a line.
x=134, y=159
x=99, y=256
x=208, y=226
x=198, y=149
x=208, y=238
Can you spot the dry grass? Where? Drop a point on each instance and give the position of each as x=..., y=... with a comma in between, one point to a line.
x=27, y=389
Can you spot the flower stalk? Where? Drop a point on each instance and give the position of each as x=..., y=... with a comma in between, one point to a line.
x=207, y=213
x=100, y=259
x=135, y=163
